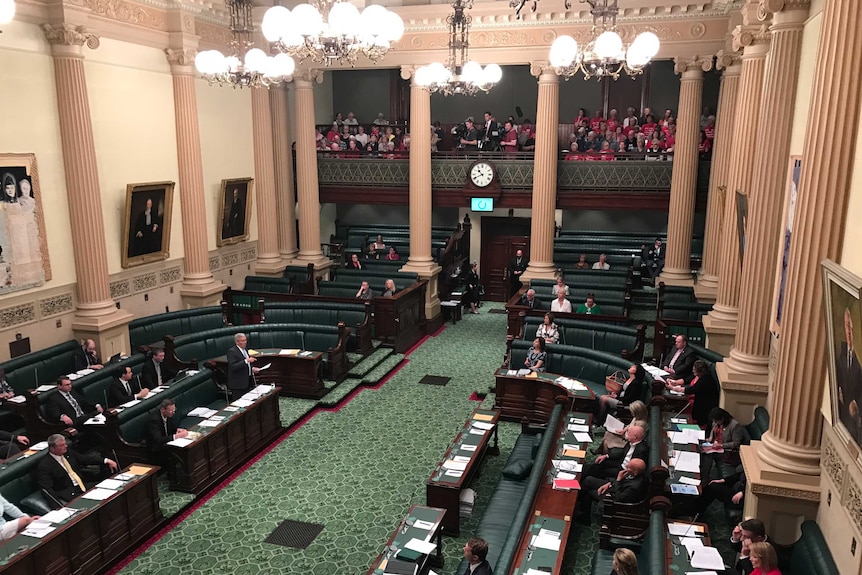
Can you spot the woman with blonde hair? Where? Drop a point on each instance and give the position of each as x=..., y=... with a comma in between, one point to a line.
x=639, y=412
x=763, y=558
x=625, y=562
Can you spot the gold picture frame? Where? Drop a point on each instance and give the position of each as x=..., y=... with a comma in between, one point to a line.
x=147, y=226
x=234, y=211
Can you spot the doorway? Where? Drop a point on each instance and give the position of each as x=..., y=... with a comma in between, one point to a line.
x=501, y=238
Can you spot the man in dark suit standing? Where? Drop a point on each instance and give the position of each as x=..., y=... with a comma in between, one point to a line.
x=68, y=406
x=682, y=361
x=517, y=267
x=476, y=553
x=491, y=134
x=240, y=371
x=125, y=389
x=161, y=428
x=59, y=472
x=628, y=486
x=608, y=466
x=849, y=380
x=154, y=373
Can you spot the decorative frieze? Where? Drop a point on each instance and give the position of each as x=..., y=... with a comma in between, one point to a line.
x=17, y=315
x=121, y=288
x=170, y=275
x=144, y=282
x=56, y=305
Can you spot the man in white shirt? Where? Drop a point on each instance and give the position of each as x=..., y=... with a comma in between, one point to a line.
x=18, y=523
x=561, y=304
x=381, y=121
x=361, y=137
x=602, y=264
x=351, y=120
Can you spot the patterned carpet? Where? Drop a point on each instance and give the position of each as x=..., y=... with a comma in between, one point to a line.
x=355, y=470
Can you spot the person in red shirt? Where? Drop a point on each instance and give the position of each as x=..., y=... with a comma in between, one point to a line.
x=581, y=118
x=613, y=121
x=649, y=126
x=595, y=121
x=527, y=137
x=510, y=138
x=670, y=138
x=705, y=146
x=574, y=154
x=709, y=129
x=668, y=116
x=630, y=120
x=606, y=152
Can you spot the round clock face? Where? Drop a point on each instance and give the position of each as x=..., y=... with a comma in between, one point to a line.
x=481, y=174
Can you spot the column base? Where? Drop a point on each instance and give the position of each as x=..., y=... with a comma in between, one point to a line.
x=706, y=289
x=539, y=270
x=321, y=263
x=675, y=277
x=428, y=271
x=790, y=458
x=109, y=331
x=269, y=266
x=288, y=256
x=201, y=295
x=781, y=499
x=741, y=392
x=720, y=334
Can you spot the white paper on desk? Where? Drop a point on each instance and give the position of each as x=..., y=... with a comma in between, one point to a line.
x=701, y=573
x=468, y=447
x=566, y=475
x=567, y=465
x=110, y=484
x=38, y=529
x=85, y=371
x=572, y=446
x=242, y=403
x=461, y=459
x=678, y=420
x=532, y=571
x=231, y=408
x=96, y=420
x=583, y=437
x=483, y=425
x=577, y=420
x=423, y=525
x=476, y=431
x=691, y=543
x=39, y=446
x=124, y=476
x=424, y=547
x=458, y=465
x=98, y=494
x=181, y=442
x=209, y=423
x=707, y=558
x=579, y=427
x=512, y=372
x=72, y=376
x=687, y=461
x=216, y=417
x=546, y=542
x=58, y=515
x=202, y=412
x=17, y=399
x=680, y=529
x=454, y=473
x=689, y=480
x=130, y=403
x=45, y=387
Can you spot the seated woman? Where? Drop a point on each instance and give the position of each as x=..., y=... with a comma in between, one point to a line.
x=611, y=440
x=702, y=387
x=560, y=285
x=632, y=389
x=590, y=306
x=536, y=357
x=582, y=264
x=389, y=290
x=371, y=254
x=625, y=562
x=722, y=444
x=548, y=331
x=763, y=558
x=393, y=255
x=378, y=243
x=561, y=304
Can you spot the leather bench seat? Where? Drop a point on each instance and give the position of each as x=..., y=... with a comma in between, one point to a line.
x=18, y=485
x=43, y=366
x=676, y=294
x=651, y=554
x=567, y=257
x=582, y=333
x=811, y=555
x=616, y=283
x=334, y=289
x=267, y=284
x=152, y=329
x=376, y=284
x=376, y=276
x=321, y=313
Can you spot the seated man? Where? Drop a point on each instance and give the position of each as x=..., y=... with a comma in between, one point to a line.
x=729, y=490
x=561, y=304
x=6, y=390
x=154, y=373
x=628, y=486
x=682, y=358
x=125, y=389
x=68, y=406
x=162, y=428
x=653, y=259
x=18, y=520
x=9, y=444
x=475, y=552
x=743, y=535
x=530, y=300
x=86, y=357
x=364, y=291
x=590, y=306
x=608, y=466
x=58, y=474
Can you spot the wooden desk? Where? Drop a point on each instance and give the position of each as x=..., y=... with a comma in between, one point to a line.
x=221, y=450
x=677, y=557
x=444, y=490
x=406, y=531
x=533, y=397
x=681, y=504
x=95, y=537
x=297, y=375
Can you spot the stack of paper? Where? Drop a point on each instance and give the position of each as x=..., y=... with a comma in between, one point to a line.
x=98, y=494
x=46, y=387
x=483, y=425
x=546, y=539
x=242, y=403
x=579, y=427
x=96, y=420
x=707, y=558
x=38, y=529
x=583, y=437
x=687, y=461
x=131, y=403
x=567, y=465
x=466, y=499
x=654, y=370
x=87, y=371
x=454, y=465
x=204, y=412
x=181, y=442
x=58, y=515
x=39, y=446
x=17, y=399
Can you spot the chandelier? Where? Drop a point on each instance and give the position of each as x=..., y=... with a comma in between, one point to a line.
x=245, y=65
x=605, y=56
x=460, y=76
x=328, y=31
x=7, y=11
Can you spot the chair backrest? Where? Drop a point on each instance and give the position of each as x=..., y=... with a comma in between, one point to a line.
x=811, y=555
x=759, y=425
x=42, y=366
x=652, y=558
x=153, y=329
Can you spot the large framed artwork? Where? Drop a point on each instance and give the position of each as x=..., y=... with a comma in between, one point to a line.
x=147, y=231
x=795, y=172
x=842, y=294
x=235, y=211
x=24, y=261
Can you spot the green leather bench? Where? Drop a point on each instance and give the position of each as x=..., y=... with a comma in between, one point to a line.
x=267, y=284
x=375, y=277
x=357, y=316
x=43, y=366
x=387, y=266
x=672, y=295
x=567, y=256
x=759, y=425
x=679, y=319
x=152, y=329
x=588, y=366
x=652, y=558
x=591, y=282
x=18, y=485
x=191, y=350
x=627, y=342
x=810, y=555
x=348, y=289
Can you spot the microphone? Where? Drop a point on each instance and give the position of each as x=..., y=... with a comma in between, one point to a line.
x=116, y=459
x=105, y=392
x=594, y=340
x=407, y=522
x=35, y=377
x=138, y=379
x=532, y=546
x=53, y=499
x=9, y=451
x=678, y=413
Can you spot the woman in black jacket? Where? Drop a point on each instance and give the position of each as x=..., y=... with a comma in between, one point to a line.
x=472, y=294
x=632, y=389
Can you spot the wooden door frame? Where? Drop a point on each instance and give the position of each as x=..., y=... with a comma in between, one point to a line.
x=490, y=225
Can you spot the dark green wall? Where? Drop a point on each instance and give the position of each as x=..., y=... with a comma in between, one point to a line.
x=363, y=92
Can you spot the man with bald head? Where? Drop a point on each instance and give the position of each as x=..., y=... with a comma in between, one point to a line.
x=530, y=300
x=608, y=466
x=86, y=357
x=629, y=486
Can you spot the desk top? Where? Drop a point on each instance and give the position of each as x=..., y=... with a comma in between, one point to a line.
x=467, y=445
x=276, y=352
x=133, y=474
x=678, y=561
x=675, y=474
x=547, y=377
x=421, y=522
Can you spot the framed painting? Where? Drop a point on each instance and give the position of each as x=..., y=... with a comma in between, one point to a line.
x=235, y=211
x=789, y=211
x=24, y=261
x=147, y=230
x=741, y=221
x=842, y=292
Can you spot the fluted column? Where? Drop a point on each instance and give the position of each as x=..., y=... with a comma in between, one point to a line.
x=268, y=258
x=307, y=187
x=677, y=270
x=544, y=174
x=420, y=260
x=706, y=287
x=745, y=373
x=199, y=288
x=97, y=316
x=285, y=201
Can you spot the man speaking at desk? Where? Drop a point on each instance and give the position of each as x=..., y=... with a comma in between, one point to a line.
x=240, y=371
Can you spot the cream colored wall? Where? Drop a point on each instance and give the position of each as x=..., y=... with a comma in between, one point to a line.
x=810, y=38
x=476, y=220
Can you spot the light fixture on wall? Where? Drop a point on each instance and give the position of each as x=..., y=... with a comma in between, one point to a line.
x=605, y=56
x=245, y=65
x=7, y=11
x=461, y=75
x=328, y=31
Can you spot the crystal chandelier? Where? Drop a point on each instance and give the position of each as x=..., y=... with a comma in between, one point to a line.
x=328, y=31
x=605, y=56
x=245, y=66
x=7, y=11
x=460, y=76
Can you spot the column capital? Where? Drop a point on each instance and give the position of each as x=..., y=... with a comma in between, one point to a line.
x=408, y=72
x=309, y=75
x=694, y=67
x=70, y=36
x=182, y=60
x=776, y=6
x=542, y=68
x=728, y=62
x=751, y=39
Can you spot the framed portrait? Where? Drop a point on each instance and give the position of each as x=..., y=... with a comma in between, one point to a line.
x=795, y=172
x=147, y=230
x=741, y=220
x=235, y=211
x=24, y=261
x=842, y=294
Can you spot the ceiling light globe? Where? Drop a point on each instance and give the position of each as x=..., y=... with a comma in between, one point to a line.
x=285, y=65
x=306, y=20
x=275, y=22
x=373, y=20
x=493, y=73
x=608, y=45
x=393, y=27
x=7, y=11
x=563, y=51
x=422, y=76
x=343, y=19
x=636, y=57
x=471, y=72
x=255, y=60
x=648, y=43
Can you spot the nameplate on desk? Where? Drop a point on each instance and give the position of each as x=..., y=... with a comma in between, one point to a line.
x=423, y=525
